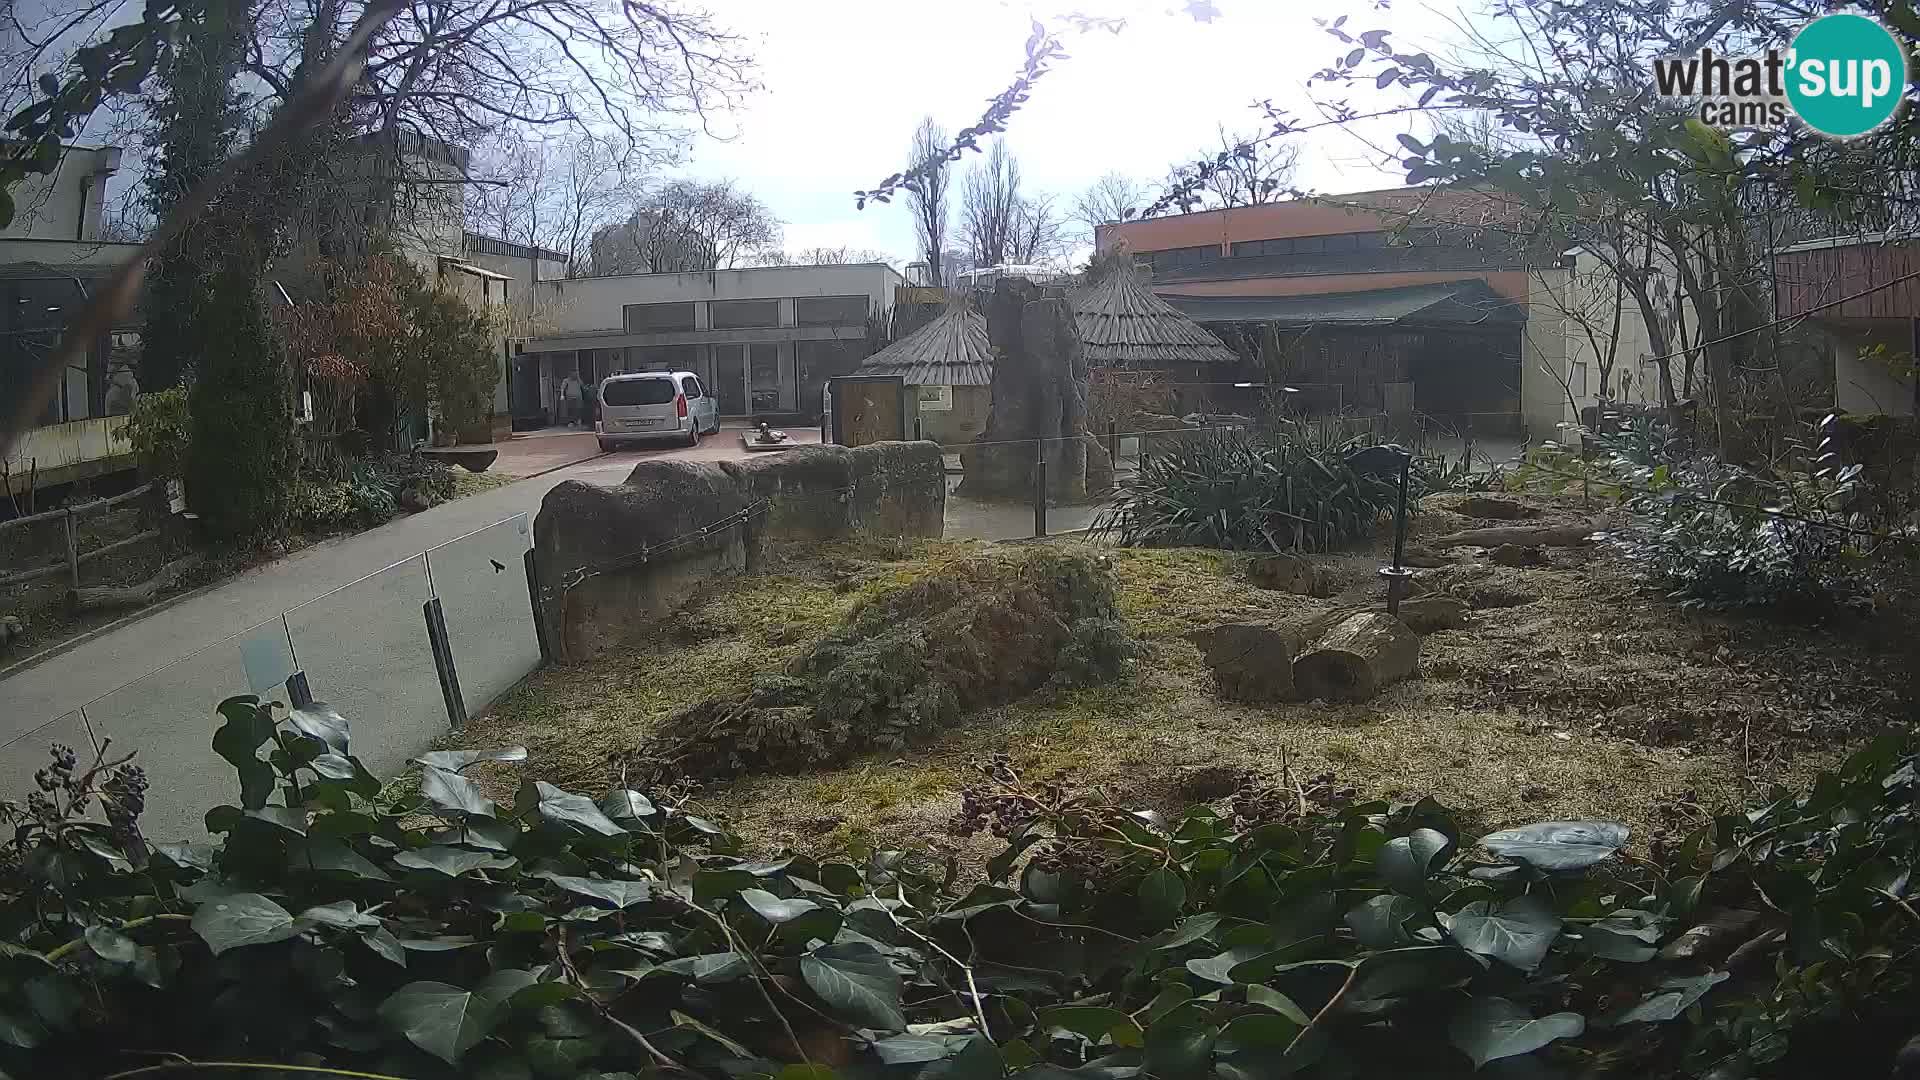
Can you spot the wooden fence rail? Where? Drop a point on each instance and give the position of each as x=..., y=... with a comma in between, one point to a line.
x=75, y=557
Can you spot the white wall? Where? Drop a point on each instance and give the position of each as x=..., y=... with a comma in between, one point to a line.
x=1864, y=384
x=67, y=204
x=582, y=305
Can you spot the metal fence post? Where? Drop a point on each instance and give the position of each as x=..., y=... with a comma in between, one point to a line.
x=73, y=551
x=443, y=662
x=1039, y=487
x=533, y=601
x=299, y=694
x=919, y=431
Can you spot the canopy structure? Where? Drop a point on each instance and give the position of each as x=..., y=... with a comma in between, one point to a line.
x=1124, y=325
x=952, y=350
x=1468, y=302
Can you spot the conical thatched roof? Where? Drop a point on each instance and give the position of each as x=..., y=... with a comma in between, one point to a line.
x=952, y=350
x=1124, y=325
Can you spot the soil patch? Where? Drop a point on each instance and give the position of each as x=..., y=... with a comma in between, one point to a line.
x=1598, y=698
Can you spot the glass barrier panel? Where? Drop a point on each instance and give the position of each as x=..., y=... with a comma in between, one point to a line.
x=169, y=717
x=481, y=580
x=364, y=649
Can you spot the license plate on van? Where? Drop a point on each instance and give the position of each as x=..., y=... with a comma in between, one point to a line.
x=638, y=423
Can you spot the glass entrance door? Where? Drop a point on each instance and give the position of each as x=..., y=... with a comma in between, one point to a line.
x=730, y=378
x=764, y=369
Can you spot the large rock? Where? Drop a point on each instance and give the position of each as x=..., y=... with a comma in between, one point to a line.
x=1360, y=656
x=1287, y=572
x=611, y=560
x=1251, y=662
x=1427, y=614
x=1039, y=395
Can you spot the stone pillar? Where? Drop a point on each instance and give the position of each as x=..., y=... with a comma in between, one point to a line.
x=1039, y=392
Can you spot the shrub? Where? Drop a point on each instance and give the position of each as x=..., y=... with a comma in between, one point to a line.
x=158, y=430
x=1722, y=535
x=241, y=454
x=320, y=506
x=432, y=933
x=1267, y=491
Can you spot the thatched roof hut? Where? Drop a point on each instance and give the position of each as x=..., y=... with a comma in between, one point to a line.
x=1124, y=325
x=952, y=350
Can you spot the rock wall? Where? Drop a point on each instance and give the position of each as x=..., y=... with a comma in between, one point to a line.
x=610, y=561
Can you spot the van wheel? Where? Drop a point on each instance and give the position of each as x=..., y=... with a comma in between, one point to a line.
x=693, y=434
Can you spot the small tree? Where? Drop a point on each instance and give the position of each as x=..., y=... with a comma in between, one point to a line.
x=928, y=197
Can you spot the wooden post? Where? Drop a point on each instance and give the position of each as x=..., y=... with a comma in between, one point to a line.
x=1113, y=444
x=73, y=552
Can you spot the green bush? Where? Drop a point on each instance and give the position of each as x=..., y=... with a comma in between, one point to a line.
x=320, y=506
x=1725, y=536
x=159, y=430
x=430, y=932
x=1260, y=491
x=241, y=455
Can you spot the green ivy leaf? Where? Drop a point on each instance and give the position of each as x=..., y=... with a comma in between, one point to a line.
x=621, y=894
x=248, y=727
x=857, y=983
x=342, y=914
x=1667, y=1001
x=708, y=968
x=1517, y=932
x=1380, y=923
x=1266, y=1029
x=1096, y=1022
x=111, y=945
x=320, y=721
x=453, y=792
x=1192, y=930
x=915, y=1049
x=1405, y=862
x=624, y=805
x=331, y=855
x=1177, y=1047
x=1558, y=846
x=978, y=1059
x=565, y=808
x=240, y=919
x=774, y=909
x=1268, y=998
x=447, y=1021
x=453, y=861
x=1491, y=1028
x=1163, y=895
x=456, y=760
x=681, y=1019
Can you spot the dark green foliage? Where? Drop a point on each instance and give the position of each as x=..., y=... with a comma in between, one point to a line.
x=241, y=457
x=1725, y=536
x=1273, y=490
x=909, y=662
x=369, y=495
x=440, y=934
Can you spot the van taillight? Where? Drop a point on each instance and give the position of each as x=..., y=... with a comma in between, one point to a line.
x=680, y=406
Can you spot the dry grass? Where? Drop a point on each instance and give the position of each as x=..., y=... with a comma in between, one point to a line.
x=1597, y=699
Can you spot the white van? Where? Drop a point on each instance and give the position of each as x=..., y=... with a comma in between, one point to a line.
x=656, y=405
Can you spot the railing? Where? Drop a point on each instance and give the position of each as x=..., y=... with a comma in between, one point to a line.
x=75, y=557
x=408, y=652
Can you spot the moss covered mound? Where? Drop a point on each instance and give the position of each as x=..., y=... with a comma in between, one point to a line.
x=907, y=662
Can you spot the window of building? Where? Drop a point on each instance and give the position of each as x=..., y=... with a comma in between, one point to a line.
x=1343, y=242
x=744, y=314
x=659, y=318
x=830, y=311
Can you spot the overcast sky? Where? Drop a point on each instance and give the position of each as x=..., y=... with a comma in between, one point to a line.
x=847, y=80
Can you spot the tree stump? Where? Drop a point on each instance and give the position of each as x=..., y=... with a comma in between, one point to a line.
x=1039, y=397
x=1430, y=613
x=1357, y=658
x=1251, y=662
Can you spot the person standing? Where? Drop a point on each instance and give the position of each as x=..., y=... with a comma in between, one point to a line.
x=568, y=407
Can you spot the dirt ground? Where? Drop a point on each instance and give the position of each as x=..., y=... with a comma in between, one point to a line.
x=1577, y=690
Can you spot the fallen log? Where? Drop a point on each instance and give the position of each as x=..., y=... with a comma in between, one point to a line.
x=1356, y=659
x=1521, y=536
x=99, y=597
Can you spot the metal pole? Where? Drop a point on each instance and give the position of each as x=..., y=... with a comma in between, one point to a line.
x=1039, y=487
x=1113, y=444
x=443, y=663
x=1398, y=576
x=73, y=553
x=919, y=432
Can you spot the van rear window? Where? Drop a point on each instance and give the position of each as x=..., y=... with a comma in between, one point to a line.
x=639, y=392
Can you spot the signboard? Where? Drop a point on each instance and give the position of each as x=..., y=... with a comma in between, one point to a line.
x=935, y=398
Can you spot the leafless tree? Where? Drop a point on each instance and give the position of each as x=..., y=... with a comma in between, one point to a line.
x=551, y=192
x=928, y=197
x=990, y=207
x=1040, y=234
x=1255, y=172
x=1114, y=197
x=836, y=256
x=688, y=225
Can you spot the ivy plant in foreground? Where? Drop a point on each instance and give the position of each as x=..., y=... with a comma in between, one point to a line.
x=332, y=928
